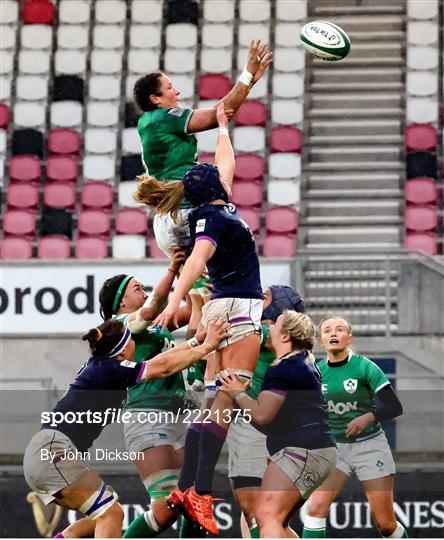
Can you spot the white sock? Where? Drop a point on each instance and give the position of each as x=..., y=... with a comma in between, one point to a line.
x=398, y=532
x=314, y=523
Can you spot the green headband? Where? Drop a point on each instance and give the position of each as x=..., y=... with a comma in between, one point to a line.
x=120, y=292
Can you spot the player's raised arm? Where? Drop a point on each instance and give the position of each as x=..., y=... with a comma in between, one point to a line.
x=224, y=158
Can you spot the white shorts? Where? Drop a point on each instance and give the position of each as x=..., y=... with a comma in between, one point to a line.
x=367, y=459
x=247, y=450
x=244, y=315
x=140, y=436
x=169, y=234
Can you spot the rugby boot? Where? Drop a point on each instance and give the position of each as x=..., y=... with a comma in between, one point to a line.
x=175, y=499
x=200, y=509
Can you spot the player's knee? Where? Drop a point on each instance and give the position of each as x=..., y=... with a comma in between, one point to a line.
x=264, y=516
x=318, y=508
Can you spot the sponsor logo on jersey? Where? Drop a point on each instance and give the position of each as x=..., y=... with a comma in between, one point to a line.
x=200, y=225
x=342, y=408
x=324, y=388
x=176, y=112
x=128, y=363
x=351, y=385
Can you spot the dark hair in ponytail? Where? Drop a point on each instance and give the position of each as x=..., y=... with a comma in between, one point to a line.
x=105, y=337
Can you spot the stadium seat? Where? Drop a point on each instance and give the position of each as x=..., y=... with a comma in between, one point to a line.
x=68, y=88
x=215, y=60
x=110, y=11
x=94, y=223
x=155, y=251
x=125, y=192
x=7, y=63
x=286, y=34
x=25, y=169
x=221, y=11
x=144, y=36
x=29, y=115
x=249, y=139
x=421, y=164
x=181, y=35
x=131, y=221
x=131, y=167
x=36, y=36
x=287, y=60
x=251, y=218
x=207, y=157
x=8, y=37
x=22, y=197
x=421, y=110
x=130, y=141
x=249, y=31
x=100, y=141
x=9, y=11
x=64, y=142
x=107, y=36
x=280, y=220
x=104, y=87
x=422, y=33
x=422, y=83
x=15, y=249
x=180, y=61
x=74, y=12
x=66, y=114
x=131, y=115
x=214, y=86
x=422, y=10
x=53, y=247
x=291, y=11
x=128, y=246
x=284, y=165
x=276, y=245
x=102, y=114
x=286, y=139
x=254, y=10
x=421, y=218
x=31, y=88
x=90, y=248
x=422, y=58
x=4, y=116
x=99, y=168
x=141, y=15
x=251, y=113
x=249, y=167
x=38, y=12
x=33, y=62
x=60, y=196
x=72, y=36
x=70, y=63
x=217, y=36
x=424, y=242
x=420, y=191
x=19, y=223
x=62, y=169
x=182, y=11
x=2, y=142
x=206, y=141
x=284, y=192
x=247, y=194
x=27, y=141
x=420, y=137
x=5, y=88
x=97, y=195
x=288, y=85
x=106, y=62
x=56, y=221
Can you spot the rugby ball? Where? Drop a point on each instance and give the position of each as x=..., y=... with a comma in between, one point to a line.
x=325, y=40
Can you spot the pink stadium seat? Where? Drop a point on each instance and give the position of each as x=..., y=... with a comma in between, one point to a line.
x=249, y=167
x=91, y=248
x=214, y=86
x=25, y=169
x=38, y=12
x=60, y=196
x=420, y=138
x=4, y=116
x=276, y=245
x=62, y=169
x=22, y=197
x=131, y=221
x=251, y=218
x=15, y=248
x=94, y=223
x=53, y=247
x=206, y=158
x=64, y=141
x=286, y=139
x=420, y=191
x=251, y=113
x=421, y=218
x=425, y=242
x=155, y=251
x=247, y=194
x=281, y=220
x=19, y=223
x=97, y=195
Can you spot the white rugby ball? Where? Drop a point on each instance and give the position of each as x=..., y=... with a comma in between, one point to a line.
x=325, y=40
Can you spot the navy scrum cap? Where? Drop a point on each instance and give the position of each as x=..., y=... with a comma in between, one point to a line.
x=283, y=297
x=202, y=184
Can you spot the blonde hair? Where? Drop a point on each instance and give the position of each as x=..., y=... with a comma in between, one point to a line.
x=336, y=316
x=163, y=196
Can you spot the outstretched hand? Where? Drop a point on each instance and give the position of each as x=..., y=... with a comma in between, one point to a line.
x=259, y=59
x=169, y=315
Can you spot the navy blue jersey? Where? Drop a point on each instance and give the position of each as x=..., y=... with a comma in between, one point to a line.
x=234, y=267
x=99, y=385
x=303, y=419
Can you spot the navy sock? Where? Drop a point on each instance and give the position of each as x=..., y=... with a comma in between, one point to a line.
x=189, y=468
x=211, y=441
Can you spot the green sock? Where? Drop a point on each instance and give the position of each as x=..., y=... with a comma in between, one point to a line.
x=190, y=529
x=139, y=528
x=314, y=527
x=404, y=534
x=255, y=532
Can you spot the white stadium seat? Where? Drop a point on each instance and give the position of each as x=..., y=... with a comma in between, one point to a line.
x=180, y=61
x=2, y=171
x=102, y=114
x=284, y=192
x=125, y=193
x=260, y=89
x=248, y=32
x=422, y=110
x=129, y=85
x=9, y=11
x=285, y=111
x=2, y=142
x=421, y=83
x=106, y=62
x=141, y=14
x=285, y=165
x=72, y=36
x=219, y=11
x=296, y=10
x=286, y=85
x=31, y=88
x=5, y=89
x=422, y=58
x=143, y=61
x=217, y=36
x=29, y=115
x=144, y=36
x=254, y=10
x=99, y=168
x=249, y=139
x=216, y=60
x=287, y=34
x=181, y=36
x=66, y=114
x=100, y=141
x=206, y=141
x=289, y=59
x=33, y=62
x=36, y=36
x=185, y=85
x=7, y=63
x=130, y=141
x=207, y=103
x=107, y=36
x=8, y=35
x=128, y=246
x=422, y=33
x=70, y=62
x=74, y=11
x=104, y=87
x=422, y=9
x=110, y=11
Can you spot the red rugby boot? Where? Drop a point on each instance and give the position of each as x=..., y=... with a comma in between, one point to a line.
x=200, y=509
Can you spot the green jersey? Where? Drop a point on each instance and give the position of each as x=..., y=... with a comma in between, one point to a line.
x=263, y=363
x=166, y=394
x=349, y=390
x=168, y=151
